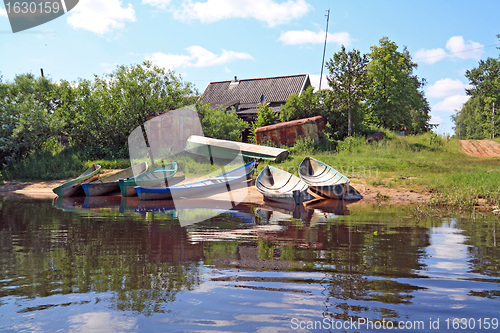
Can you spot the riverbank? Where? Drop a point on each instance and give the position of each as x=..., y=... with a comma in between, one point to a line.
x=424, y=169
x=43, y=190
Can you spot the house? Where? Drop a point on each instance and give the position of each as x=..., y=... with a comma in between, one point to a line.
x=245, y=94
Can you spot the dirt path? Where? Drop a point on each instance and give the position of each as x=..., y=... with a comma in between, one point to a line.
x=480, y=148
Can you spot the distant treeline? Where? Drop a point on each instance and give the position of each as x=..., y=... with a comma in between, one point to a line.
x=367, y=92
x=477, y=118
x=95, y=117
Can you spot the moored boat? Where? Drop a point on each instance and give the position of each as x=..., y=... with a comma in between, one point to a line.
x=110, y=184
x=226, y=149
x=200, y=189
x=281, y=186
x=155, y=177
x=323, y=179
x=74, y=187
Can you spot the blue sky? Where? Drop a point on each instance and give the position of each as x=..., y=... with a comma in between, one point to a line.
x=212, y=40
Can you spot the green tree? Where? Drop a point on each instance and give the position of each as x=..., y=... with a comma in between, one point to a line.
x=266, y=116
x=474, y=119
x=100, y=114
x=221, y=123
x=394, y=90
x=348, y=78
x=26, y=113
x=308, y=104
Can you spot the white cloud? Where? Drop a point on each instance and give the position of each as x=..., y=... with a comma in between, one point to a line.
x=101, y=17
x=446, y=87
x=196, y=56
x=296, y=37
x=430, y=56
x=451, y=103
x=268, y=11
x=436, y=120
x=457, y=48
x=3, y=12
x=162, y=4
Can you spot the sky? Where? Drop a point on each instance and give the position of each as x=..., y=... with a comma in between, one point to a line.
x=215, y=40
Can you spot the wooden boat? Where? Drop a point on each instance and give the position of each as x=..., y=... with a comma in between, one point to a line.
x=110, y=184
x=226, y=149
x=281, y=186
x=198, y=189
x=73, y=188
x=154, y=177
x=323, y=179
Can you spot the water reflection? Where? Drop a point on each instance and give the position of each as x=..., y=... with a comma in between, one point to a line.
x=247, y=269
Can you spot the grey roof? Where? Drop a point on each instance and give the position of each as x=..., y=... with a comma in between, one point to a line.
x=248, y=92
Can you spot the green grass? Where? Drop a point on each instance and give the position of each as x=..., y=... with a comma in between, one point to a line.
x=428, y=163
x=425, y=164
x=45, y=166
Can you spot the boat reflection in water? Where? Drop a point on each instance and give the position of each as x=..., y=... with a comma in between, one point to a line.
x=191, y=211
x=94, y=264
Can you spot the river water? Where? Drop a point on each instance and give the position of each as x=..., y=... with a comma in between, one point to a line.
x=116, y=265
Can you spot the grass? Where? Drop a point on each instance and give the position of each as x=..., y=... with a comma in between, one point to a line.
x=425, y=164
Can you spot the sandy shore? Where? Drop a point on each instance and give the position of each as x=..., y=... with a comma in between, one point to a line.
x=43, y=190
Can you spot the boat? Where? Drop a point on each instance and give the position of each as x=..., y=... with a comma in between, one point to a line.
x=155, y=177
x=200, y=189
x=281, y=186
x=110, y=184
x=323, y=179
x=226, y=149
x=73, y=188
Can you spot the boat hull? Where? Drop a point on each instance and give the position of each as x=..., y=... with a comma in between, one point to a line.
x=74, y=188
x=98, y=189
x=108, y=185
x=200, y=189
x=281, y=186
x=154, y=178
x=323, y=179
x=226, y=149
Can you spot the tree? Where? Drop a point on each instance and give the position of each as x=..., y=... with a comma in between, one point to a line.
x=349, y=79
x=266, y=116
x=308, y=104
x=394, y=90
x=474, y=119
x=221, y=123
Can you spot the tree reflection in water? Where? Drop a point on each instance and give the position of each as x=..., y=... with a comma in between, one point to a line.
x=362, y=262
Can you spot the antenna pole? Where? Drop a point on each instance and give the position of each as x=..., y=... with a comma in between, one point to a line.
x=493, y=121
x=324, y=48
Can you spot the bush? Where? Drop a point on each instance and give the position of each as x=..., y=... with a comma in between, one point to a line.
x=221, y=124
x=305, y=145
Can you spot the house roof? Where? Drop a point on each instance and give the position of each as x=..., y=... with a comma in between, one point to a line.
x=247, y=92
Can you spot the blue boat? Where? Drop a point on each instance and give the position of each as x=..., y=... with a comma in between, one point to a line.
x=199, y=189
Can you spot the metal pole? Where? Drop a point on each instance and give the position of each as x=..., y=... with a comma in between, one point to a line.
x=324, y=48
x=493, y=121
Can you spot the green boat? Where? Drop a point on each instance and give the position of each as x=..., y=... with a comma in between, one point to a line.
x=74, y=188
x=226, y=149
x=155, y=177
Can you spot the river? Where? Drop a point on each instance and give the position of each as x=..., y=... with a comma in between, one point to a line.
x=113, y=265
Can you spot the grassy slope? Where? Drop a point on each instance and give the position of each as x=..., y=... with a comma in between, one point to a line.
x=425, y=163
